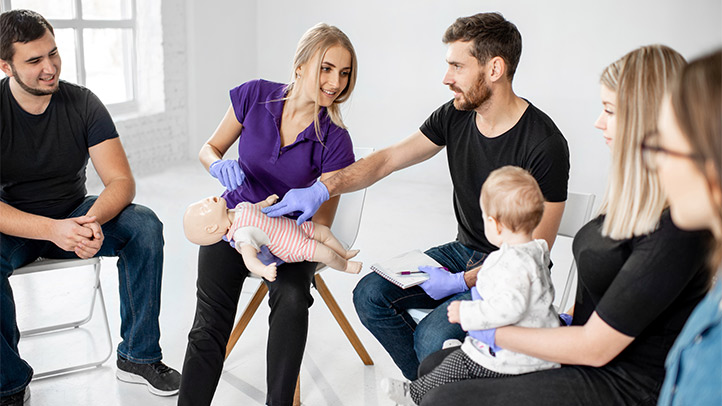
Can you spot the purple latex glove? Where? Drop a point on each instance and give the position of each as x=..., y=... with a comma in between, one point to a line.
x=475, y=294
x=306, y=200
x=228, y=172
x=566, y=319
x=265, y=256
x=442, y=283
x=486, y=337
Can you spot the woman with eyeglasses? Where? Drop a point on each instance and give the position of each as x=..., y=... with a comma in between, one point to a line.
x=687, y=155
x=640, y=276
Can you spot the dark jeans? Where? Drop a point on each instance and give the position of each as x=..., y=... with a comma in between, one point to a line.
x=381, y=307
x=221, y=274
x=568, y=385
x=135, y=236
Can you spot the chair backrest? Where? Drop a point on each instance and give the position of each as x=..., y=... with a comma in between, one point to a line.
x=577, y=212
x=348, y=215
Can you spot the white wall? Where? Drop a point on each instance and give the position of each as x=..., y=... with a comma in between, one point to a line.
x=222, y=53
x=401, y=60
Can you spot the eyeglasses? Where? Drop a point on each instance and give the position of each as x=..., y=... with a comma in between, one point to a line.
x=653, y=153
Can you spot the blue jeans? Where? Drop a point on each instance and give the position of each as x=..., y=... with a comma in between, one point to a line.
x=135, y=236
x=382, y=306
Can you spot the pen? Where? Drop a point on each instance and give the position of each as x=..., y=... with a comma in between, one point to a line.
x=409, y=272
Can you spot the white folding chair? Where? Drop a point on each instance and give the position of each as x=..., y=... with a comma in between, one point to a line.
x=48, y=265
x=577, y=212
x=345, y=227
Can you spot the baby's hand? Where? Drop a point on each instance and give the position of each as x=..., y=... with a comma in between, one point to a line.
x=452, y=312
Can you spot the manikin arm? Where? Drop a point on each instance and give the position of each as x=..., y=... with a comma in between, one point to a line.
x=270, y=200
x=250, y=259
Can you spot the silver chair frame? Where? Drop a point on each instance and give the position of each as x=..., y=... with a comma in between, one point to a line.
x=44, y=265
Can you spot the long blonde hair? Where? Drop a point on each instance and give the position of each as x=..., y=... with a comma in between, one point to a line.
x=634, y=200
x=697, y=104
x=316, y=41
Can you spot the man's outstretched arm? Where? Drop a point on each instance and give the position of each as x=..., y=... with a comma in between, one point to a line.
x=363, y=173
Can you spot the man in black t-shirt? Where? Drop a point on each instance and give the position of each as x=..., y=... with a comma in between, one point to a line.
x=48, y=130
x=485, y=126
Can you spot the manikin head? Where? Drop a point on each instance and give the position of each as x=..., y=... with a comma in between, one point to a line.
x=511, y=203
x=206, y=222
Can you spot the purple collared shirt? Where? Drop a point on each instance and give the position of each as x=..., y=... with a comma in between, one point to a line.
x=270, y=169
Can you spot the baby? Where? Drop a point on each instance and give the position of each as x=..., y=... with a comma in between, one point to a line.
x=513, y=288
x=247, y=228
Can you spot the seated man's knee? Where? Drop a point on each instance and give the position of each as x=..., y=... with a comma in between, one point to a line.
x=369, y=294
x=143, y=222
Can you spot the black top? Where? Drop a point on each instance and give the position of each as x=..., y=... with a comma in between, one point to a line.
x=644, y=287
x=43, y=157
x=534, y=143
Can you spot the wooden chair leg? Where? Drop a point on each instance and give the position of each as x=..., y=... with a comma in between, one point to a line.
x=297, y=393
x=342, y=321
x=248, y=313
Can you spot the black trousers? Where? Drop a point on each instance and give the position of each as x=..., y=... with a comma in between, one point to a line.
x=568, y=385
x=221, y=274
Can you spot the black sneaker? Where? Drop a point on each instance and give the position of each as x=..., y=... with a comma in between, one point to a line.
x=160, y=379
x=16, y=399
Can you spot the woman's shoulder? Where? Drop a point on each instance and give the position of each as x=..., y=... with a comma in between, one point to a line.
x=260, y=89
x=668, y=230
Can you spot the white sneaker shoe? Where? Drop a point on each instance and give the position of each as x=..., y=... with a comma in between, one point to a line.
x=398, y=391
x=452, y=342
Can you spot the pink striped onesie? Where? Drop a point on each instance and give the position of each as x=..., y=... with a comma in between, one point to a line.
x=288, y=241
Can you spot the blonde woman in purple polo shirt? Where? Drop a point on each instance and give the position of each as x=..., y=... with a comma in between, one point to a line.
x=289, y=136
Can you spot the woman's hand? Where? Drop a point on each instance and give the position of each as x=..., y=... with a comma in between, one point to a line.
x=228, y=172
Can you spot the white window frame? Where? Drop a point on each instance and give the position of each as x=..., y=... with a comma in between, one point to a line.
x=77, y=23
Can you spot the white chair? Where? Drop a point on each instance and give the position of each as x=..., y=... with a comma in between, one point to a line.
x=345, y=227
x=577, y=212
x=48, y=265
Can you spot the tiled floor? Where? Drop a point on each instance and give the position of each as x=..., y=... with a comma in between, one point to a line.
x=398, y=216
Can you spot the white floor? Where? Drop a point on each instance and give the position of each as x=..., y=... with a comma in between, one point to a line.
x=398, y=216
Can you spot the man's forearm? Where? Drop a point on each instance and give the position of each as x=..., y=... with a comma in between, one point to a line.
x=362, y=174
x=116, y=196
x=21, y=224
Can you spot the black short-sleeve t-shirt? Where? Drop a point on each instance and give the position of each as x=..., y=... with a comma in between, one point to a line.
x=43, y=157
x=644, y=287
x=534, y=143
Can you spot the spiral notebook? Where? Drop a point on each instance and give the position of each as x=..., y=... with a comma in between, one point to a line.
x=391, y=269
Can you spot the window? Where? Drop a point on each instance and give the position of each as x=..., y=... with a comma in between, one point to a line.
x=96, y=41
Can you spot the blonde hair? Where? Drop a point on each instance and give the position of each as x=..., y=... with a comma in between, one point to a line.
x=316, y=41
x=513, y=198
x=634, y=200
x=697, y=105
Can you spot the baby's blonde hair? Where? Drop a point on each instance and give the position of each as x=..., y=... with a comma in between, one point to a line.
x=512, y=197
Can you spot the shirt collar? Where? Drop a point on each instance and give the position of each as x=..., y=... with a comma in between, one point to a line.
x=274, y=104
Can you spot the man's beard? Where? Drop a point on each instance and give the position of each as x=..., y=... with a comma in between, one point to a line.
x=32, y=90
x=477, y=95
